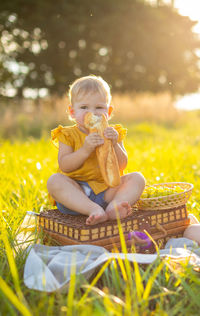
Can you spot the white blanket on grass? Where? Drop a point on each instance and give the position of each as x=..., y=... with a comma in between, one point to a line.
x=49, y=268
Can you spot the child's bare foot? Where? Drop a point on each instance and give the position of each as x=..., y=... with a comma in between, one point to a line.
x=121, y=209
x=97, y=217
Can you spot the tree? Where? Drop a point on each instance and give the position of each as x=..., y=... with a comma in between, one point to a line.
x=133, y=45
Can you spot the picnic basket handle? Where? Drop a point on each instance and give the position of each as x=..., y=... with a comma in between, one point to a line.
x=161, y=229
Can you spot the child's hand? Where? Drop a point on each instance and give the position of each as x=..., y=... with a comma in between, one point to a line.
x=111, y=134
x=92, y=141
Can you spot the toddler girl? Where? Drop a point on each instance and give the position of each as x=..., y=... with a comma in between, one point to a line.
x=78, y=187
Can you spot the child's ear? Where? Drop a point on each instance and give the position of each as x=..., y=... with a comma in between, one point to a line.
x=110, y=109
x=70, y=110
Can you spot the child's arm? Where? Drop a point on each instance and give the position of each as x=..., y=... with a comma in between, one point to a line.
x=120, y=151
x=121, y=155
x=70, y=160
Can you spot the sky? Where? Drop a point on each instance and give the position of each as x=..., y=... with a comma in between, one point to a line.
x=189, y=8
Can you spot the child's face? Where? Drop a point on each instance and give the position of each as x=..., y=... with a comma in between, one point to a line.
x=95, y=103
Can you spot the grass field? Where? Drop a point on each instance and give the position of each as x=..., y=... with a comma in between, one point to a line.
x=163, y=152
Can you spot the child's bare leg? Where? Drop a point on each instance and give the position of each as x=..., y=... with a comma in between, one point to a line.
x=193, y=232
x=66, y=191
x=125, y=195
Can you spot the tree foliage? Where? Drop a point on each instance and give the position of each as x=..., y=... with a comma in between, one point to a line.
x=133, y=45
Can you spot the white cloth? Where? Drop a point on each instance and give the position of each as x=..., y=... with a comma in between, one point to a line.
x=49, y=268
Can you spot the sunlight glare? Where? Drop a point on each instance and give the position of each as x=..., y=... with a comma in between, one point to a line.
x=191, y=9
x=188, y=102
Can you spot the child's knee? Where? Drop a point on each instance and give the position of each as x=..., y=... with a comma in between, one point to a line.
x=139, y=179
x=193, y=232
x=135, y=178
x=53, y=183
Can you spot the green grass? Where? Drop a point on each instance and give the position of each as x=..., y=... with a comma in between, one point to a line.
x=163, y=154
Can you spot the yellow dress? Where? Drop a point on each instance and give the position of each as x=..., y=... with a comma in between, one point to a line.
x=89, y=171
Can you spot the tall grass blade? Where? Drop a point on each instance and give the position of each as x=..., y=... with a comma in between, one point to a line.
x=71, y=292
x=94, y=281
x=12, y=265
x=6, y=290
x=151, y=280
x=138, y=281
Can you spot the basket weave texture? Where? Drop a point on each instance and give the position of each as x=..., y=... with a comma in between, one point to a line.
x=166, y=201
x=71, y=230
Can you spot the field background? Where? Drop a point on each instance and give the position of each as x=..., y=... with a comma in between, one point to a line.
x=149, y=53
x=162, y=143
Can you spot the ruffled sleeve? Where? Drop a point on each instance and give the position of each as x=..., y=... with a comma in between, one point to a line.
x=61, y=134
x=121, y=131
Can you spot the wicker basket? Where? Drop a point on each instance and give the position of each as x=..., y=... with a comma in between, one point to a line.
x=71, y=230
x=167, y=201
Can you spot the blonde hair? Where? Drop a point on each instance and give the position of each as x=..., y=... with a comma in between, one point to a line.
x=89, y=84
